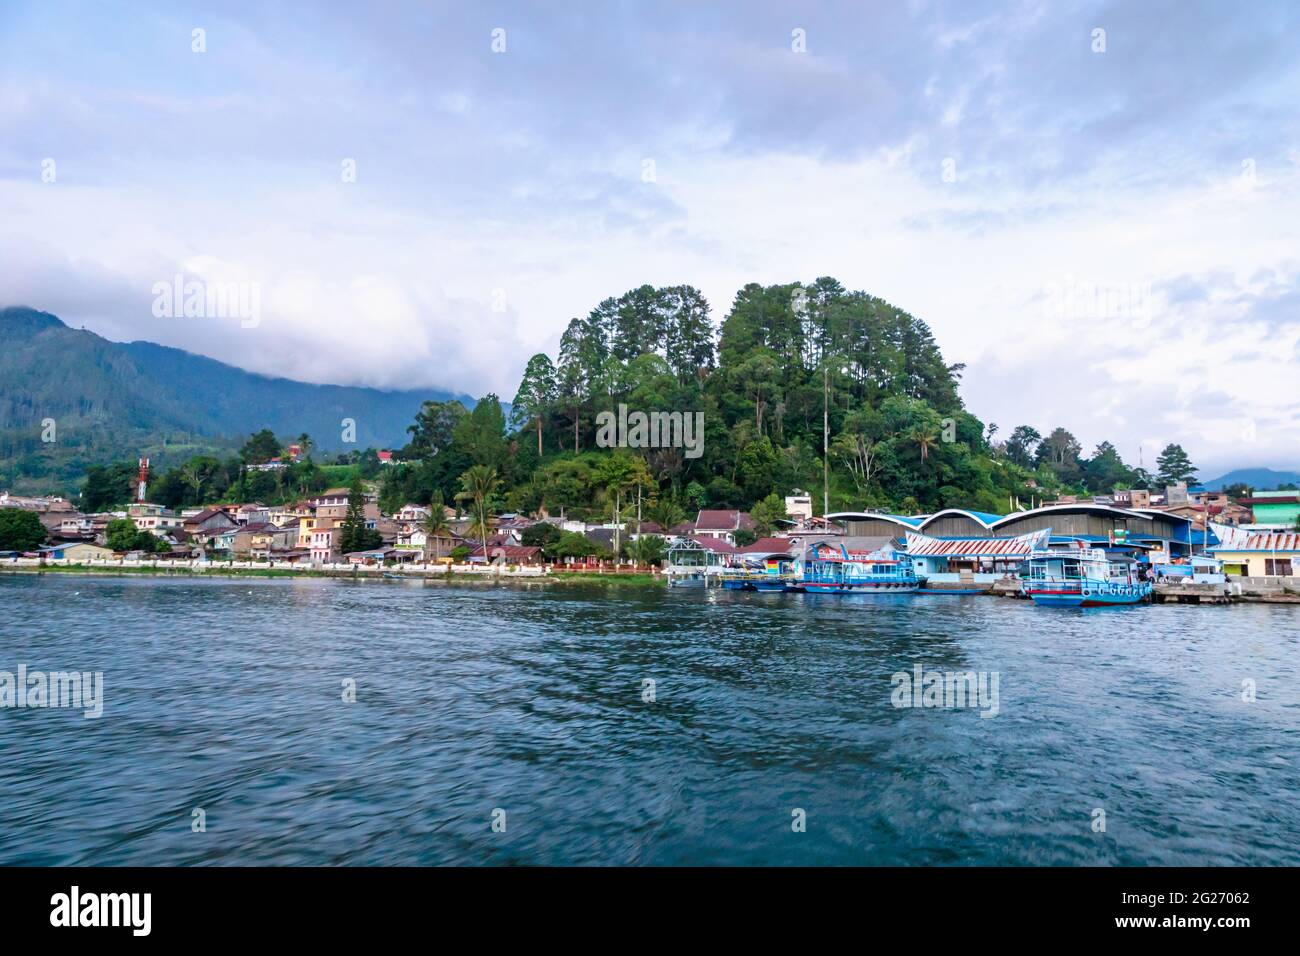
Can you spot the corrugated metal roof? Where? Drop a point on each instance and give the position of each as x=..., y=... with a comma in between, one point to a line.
x=919, y=545
x=1264, y=542
x=970, y=546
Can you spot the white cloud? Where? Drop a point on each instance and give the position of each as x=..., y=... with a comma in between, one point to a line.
x=498, y=196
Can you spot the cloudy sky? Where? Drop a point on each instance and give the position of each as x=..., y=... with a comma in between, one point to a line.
x=1093, y=205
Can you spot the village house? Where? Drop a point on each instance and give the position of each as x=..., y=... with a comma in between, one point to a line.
x=506, y=553
x=1276, y=510
x=1259, y=554
x=330, y=504
x=324, y=542
x=429, y=547
x=155, y=518
x=722, y=525
x=252, y=514
x=269, y=540
x=35, y=503
x=285, y=515
x=70, y=526
x=74, y=551
x=411, y=512
x=208, y=522
x=798, y=505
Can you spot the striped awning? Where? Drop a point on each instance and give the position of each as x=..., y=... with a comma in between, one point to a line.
x=1262, y=542
x=923, y=546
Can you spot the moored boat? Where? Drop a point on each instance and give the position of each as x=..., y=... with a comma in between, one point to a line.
x=1083, y=577
x=829, y=570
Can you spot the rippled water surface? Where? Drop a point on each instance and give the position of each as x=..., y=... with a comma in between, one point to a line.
x=226, y=695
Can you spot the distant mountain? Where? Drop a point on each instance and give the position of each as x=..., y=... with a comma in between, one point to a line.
x=1257, y=479
x=113, y=400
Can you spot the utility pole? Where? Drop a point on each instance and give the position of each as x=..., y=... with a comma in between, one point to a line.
x=826, y=441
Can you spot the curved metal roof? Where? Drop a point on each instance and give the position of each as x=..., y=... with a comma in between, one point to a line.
x=1082, y=506
x=1156, y=512
x=983, y=518
x=901, y=520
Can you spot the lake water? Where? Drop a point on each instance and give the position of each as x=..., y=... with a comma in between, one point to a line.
x=226, y=695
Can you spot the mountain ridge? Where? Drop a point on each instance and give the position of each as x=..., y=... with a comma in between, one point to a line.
x=110, y=400
x=1258, y=479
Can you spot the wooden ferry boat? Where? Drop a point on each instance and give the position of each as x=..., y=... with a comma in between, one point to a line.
x=1082, y=577
x=827, y=570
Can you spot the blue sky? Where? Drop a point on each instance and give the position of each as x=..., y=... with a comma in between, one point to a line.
x=1107, y=238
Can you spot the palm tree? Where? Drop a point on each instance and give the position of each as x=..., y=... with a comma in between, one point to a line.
x=925, y=439
x=477, y=485
x=436, y=526
x=666, y=513
x=192, y=475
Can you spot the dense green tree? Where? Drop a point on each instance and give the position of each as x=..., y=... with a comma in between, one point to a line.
x=573, y=545
x=768, y=514
x=537, y=394
x=261, y=447
x=481, y=435
x=434, y=428
x=121, y=534
x=1105, y=471
x=107, y=486
x=353, y=534
x=1059, y=452
x=540, y=535
x=1173, y=466
x=21, y=530
x=1022, y=446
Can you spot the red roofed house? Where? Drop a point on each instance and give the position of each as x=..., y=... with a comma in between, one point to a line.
x=769, y=546
x=509, y=553
x=722, y=524
x=716, y=545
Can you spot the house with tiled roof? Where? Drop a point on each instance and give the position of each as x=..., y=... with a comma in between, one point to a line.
x=208, y=522
x=509, y=553
x=766, y=546
x=715, y=545
x=713, y=523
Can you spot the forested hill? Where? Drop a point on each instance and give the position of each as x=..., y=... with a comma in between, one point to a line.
x=790, y=367
x=783, y=356
x=119, y=400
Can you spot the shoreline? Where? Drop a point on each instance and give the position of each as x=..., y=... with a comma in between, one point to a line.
x=623, y=579
x=638, y=579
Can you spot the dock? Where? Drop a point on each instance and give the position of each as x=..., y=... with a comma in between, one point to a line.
x=1188, y=592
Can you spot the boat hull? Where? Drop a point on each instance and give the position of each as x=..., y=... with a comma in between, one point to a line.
x=686, y=581
x=1117, y=596
x=826, y=588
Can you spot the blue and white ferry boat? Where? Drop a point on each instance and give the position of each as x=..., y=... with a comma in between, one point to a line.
x=835, y=570
x=1082, y=577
